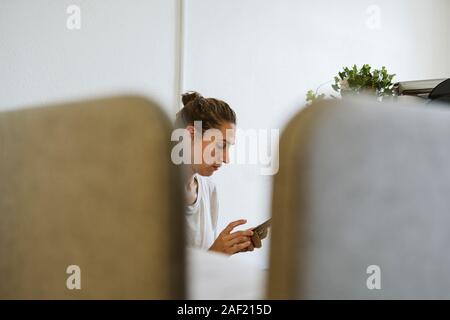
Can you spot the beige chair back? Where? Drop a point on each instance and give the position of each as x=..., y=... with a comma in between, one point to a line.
x=90, y=184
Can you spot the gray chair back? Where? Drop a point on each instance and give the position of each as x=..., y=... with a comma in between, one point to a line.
x=361, y=203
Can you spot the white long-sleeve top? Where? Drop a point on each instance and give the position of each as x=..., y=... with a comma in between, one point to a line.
x=202, y=215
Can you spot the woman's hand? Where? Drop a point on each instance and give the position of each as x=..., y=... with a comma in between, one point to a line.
x=231, y=243
x=250, y=247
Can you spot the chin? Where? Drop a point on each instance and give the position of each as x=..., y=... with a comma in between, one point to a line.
x=207, y=172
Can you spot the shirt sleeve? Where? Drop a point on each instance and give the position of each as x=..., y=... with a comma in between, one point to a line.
x=214, y=208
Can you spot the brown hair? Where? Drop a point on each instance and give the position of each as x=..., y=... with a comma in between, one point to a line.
x=211, y=112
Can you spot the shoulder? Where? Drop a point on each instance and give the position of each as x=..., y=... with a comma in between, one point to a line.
x=207, y=184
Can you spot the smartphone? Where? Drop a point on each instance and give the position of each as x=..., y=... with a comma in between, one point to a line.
x=259, y=233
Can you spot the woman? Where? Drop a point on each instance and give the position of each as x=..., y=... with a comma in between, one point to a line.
x=200, y=193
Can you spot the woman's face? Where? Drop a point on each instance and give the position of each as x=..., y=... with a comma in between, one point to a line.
x=214, y=145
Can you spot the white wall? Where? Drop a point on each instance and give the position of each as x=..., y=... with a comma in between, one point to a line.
x=259, y=55
x=262, y=56
x=122, y=46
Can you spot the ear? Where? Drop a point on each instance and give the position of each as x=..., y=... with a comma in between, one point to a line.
x=191, y=130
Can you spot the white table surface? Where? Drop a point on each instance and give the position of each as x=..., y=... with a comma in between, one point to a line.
x=219, y=277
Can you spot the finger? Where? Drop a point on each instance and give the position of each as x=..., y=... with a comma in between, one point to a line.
x=248, y=249
x=233, y=225
x=237, y=240
x=239, y=247
x=233, y=235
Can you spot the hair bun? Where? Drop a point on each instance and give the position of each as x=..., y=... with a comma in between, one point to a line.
x=190, y=96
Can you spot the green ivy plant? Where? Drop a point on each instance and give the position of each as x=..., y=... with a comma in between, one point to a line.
x=354, y=81
x=312, y=96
